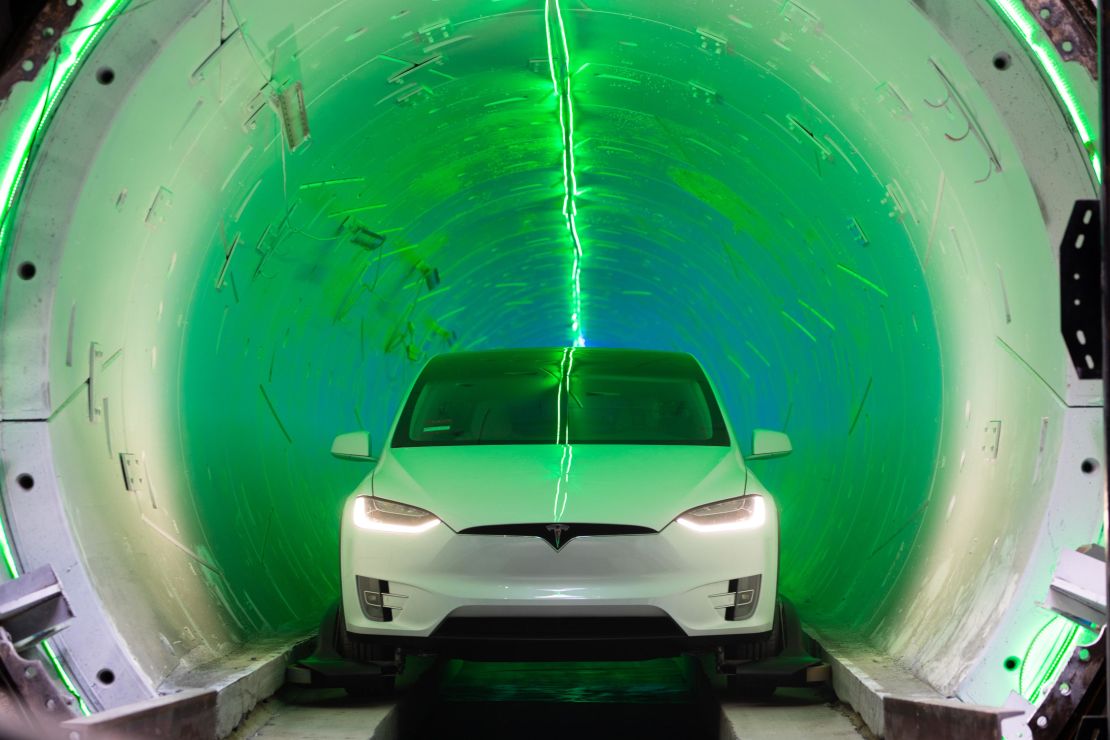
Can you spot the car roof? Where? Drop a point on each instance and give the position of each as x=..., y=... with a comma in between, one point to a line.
x=485, y=359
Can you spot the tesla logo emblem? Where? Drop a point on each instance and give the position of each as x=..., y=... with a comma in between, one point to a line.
x=556, y=536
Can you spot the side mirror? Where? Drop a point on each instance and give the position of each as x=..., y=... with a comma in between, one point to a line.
x=353, y=446
x=766, y=443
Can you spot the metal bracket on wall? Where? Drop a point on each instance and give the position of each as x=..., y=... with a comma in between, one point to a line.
x=1073, y=695
x=134, y=472
x=289, y=104
x=1071, y=25
x=437, y=31
x=95, y=356
x=1078, y=588
x=992, y=436
x=37, y=44
x=1080, y=304
x=32, y=607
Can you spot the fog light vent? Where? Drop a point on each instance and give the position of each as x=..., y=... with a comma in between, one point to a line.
x=745, y=597
x=371, y=597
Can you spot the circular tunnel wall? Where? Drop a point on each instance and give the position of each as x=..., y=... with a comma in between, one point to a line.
x=252, y=235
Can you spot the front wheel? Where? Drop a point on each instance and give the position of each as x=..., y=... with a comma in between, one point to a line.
x=770, y=645
x=364, y=651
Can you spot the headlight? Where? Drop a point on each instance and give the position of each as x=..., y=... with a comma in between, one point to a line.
x=743, y=512
x=389, y=516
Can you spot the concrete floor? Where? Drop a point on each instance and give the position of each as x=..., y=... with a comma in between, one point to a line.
x=314, y=715
x=793, y=714
x=668, y=698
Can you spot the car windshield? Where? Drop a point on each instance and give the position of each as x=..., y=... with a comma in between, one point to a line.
x=580, y=396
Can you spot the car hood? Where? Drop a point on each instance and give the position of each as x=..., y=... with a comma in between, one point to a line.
x=476, y=485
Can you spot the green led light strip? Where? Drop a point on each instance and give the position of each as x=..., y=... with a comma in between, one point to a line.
x=558, y=57
x=90, y=23
x=1052, y=661
x=1052, y=645
x=37, y=113
x=1052, y=66
x=562, y=436
x=6, y=549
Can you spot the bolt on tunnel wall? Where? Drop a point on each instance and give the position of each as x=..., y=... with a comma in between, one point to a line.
x=252, y=222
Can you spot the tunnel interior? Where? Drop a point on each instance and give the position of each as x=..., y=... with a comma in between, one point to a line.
x=249, y=223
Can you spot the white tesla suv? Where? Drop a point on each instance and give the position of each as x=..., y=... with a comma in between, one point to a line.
x=557, y=502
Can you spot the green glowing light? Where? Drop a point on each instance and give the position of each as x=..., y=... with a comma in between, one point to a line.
x=796, y=323
x=329, y=183
x=38, y=112
x=864, y=280
x=757, y=353
x=562, y=436
x=6, y=548
x=568, y=447
x=558, y=58
x=818, y=314
x=1049, y=651
x=64, y=678
x=745, y=373
x=1052, y=67
x=13, y=166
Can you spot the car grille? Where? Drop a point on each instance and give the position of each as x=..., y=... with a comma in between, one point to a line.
x=538, y=530
x=558, y=534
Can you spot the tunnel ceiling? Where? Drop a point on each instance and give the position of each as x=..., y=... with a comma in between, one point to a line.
x=836, y=221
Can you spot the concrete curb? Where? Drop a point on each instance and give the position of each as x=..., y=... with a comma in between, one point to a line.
x=864, y=678
x=242, y=678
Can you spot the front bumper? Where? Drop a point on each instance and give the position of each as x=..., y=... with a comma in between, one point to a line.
x=675, y=574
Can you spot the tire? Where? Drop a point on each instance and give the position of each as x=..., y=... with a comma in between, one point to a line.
x=359, y=651
x=362, y=651
x=771, y=645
